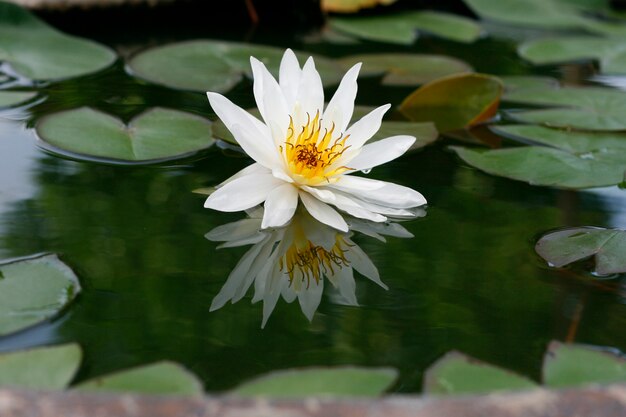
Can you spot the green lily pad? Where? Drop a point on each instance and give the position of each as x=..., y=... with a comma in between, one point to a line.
x=586, y=108
x=524, y=82
x=456, y=373
x=563, y=247
x=608, y=51
x=161, y=378
x=454, y=102
x=570, y=159
x=33, y=290
x=403, y=27
x=327, y=382
x=568, y=365
x=40, y=52
x=207, y=65
x=14, y=98
x=406, y=69
x=49, y=368
x=155, y=135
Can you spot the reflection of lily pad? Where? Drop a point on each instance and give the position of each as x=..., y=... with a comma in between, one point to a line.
x=563, y=247
x=610, y=52
x=37, y=51
x=159, y=378
x=454, y=102
x=569, y=365
x=155, y=135
x=570, y=159
x=327, y=382
x=589, y=108
x=402, y=27
x=457, y=373
x=407, y=69
x=50, y=368
x=13, y=98
x=207, y=65
x=33, y=290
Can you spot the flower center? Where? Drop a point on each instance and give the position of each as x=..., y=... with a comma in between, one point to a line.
x=311, y=152
x=306, y=261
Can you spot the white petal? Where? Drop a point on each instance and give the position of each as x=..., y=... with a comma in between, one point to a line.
x=363, y=264
x=345, y=202
x=252, y=135
x=242, y=193
x=270, y=100
x=280, y=173
x=310, y=96
x=289, y=77
x=310, y=298
x=252, y=169
x=323, y=212
x=382, y=151
x=280, y=205
x=363, y=130
x=341, y=106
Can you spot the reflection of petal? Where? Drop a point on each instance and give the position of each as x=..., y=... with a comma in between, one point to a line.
x=363, y=264
x=310, y=298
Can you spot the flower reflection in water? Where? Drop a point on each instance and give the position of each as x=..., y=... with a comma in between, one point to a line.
x=294, y=260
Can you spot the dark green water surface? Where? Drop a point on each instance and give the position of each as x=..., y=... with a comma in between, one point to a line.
x=469, y=280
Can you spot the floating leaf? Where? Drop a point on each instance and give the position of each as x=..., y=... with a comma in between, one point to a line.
x=402, y=27
x=328, y=382
x=567, y=365
x=454, y=102
x=524, y=82
x=571, y=159
x=351, y=6
x=207, y=65
x=158, y=378
x=563, y=247
x=587, y=108
x=13, y=98
x=49, y=368
x=456, y=373
x=155, y=135
x=33, y=290
x=40, y=52
x=407, y=69
x=608, y=51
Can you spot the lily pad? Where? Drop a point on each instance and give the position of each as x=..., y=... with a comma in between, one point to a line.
x=563, y=247
x=522, y=82
x=570, y=159
x=608, y=51
x=586, y=108
x=161, y=378
x=33, y=290
x=457, y=373
x=327, y=382
x=40, y=52
x=208, y=65
x=568, y=365
x=406, y=69
x=49, y=368
x=14, y=98
x=155, y=135
x=403, y=27
x=454, y=102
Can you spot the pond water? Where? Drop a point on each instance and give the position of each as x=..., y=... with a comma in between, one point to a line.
x=469, y=280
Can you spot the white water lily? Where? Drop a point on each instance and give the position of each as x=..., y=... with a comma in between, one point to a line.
x=306, y=152
x=295, y=260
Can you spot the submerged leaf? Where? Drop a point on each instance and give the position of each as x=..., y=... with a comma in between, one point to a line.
x=406, y=69
x=570, y=365
x=40, y=52
x=155, y=135
x=455, y=102
x=49, y=368
x=402, y=27
x=162, y=378
x=13, y=98
x=563, y=247
x=456, y=373
x=33, y=290
x=327, y=382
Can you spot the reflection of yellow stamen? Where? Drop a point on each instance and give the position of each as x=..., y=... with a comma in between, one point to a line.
x=311, y=153
x=305, y=261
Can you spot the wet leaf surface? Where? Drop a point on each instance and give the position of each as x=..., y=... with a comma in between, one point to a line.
x=14, y=98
